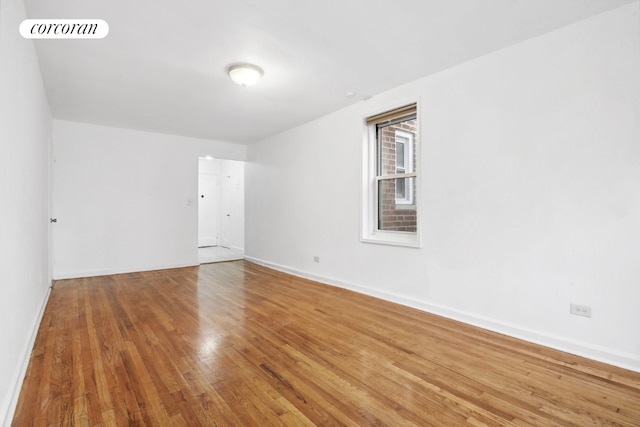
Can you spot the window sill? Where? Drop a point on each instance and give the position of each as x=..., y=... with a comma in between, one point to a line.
x=405, y=206
x=393, y=238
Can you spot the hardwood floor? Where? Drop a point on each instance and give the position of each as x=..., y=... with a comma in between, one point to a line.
x=236, y=344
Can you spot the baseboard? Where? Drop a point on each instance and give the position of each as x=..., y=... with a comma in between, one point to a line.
x=9, y=408
x=123, y=270
x=590, y=351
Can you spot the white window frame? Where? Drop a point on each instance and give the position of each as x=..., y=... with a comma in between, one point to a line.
x=369, y=219
x=407, y=167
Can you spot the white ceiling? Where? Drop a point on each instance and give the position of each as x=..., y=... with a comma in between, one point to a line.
x=162, y=66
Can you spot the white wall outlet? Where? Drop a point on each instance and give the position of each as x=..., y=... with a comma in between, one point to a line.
x=316, y=259
x=580, y=310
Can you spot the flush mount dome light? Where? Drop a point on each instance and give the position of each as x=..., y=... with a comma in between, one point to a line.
x=245, y=74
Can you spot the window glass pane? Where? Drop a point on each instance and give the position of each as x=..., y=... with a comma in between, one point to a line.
x=400, y=143
x=401, y=189
x=395, y=146
x=396, y=214
x=386, y=151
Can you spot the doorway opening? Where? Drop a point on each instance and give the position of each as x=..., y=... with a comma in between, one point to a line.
x=220, y=210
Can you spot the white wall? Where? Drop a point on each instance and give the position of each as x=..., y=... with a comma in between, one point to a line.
x=25, y=129
x=126, y=200
x=231, y=173
x=530, y=193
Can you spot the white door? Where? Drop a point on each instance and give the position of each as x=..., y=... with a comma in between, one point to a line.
x=208, y=209
x=52, y=219
x=226, y=229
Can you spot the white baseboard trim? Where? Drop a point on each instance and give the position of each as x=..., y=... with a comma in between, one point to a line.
x=590, y=351
x=124, y=270
x=9, y=407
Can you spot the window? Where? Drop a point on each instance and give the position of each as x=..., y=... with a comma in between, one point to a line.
x=404, y=164
x=390, y=178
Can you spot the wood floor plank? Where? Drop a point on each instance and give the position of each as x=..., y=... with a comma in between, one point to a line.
x=237, y=344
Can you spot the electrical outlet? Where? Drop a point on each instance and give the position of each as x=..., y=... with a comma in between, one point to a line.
x=316, y=259
x=580, y=310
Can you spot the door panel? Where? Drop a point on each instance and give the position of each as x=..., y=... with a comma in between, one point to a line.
x=226, y=228
x=208, y=209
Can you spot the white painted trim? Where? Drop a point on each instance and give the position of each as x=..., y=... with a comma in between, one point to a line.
x=393, y=238
x=106, y=272
x=594, y=352
x=9, y=406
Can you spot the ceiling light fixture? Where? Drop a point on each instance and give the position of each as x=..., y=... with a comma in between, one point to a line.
x=245, y=74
